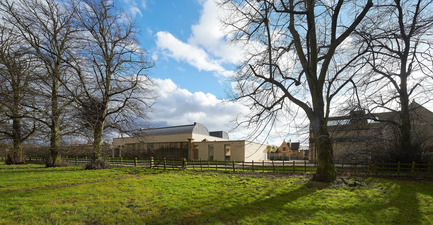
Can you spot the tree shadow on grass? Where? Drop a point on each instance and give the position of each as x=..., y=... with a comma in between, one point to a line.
x=407, y=202
x=395, y=203
x=244, y=210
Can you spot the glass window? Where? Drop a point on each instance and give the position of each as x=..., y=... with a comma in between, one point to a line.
x=195, y=152
x=210, y=152
x=227, y=152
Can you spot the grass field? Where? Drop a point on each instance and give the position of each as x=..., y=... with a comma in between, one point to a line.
x=32, y=194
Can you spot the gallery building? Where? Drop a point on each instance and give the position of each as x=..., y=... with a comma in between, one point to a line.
x=193, y=142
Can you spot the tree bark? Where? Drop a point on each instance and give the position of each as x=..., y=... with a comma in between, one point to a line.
x=17, y=156
x=55, y=125
x=97, y=142
x=405, y=128
x=323, y=145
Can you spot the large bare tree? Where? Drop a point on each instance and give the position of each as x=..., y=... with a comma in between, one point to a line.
x=46, y=26
x=398, y=39
x=17, y=77
x=299, y=55
x=111, y=71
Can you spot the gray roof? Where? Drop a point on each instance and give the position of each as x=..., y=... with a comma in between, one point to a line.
x=220, y=134
x=196, y=128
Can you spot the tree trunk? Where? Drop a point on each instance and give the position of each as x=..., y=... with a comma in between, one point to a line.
x=325, y=160
x=17, y=155
x=405, y=147
x=97, y=162
x=97, y=142
x=54, y=127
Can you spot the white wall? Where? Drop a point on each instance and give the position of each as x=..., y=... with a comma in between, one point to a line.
x=240, y=150
x=255, y=151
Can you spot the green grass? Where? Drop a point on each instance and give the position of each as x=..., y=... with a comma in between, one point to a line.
x=32, y=194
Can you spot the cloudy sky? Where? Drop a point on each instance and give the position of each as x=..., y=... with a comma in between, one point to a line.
x=193, y=64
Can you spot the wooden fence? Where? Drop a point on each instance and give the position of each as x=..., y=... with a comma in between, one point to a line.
x=278, y=167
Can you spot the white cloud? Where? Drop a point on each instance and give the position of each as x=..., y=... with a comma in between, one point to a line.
x=134, y=8
x=134, y=11
x=177, y=106
x=181, y=51
x=210, y=34
x=207, y=48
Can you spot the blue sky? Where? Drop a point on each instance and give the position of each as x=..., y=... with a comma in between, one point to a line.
x=176, y=18
x=194, y=64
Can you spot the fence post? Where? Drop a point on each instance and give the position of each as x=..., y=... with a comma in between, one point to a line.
x=183, y=163
x=151, y=162
x=429, y=168
x=398, y=169
x=234, y=171
x=356, y=164
x=165, y=163
x=208, y=164
x=85, y=159
x=305, y=166
x=193, y=163
x=375, y=168
x=368, y=169
x=252, y=165
x=135, y=161
x=412, y=171
x=294, y=168
x=201, y=166
x=76, y=160
x=283, y=165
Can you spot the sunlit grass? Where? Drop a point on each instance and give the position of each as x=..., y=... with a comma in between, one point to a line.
x=32, y=194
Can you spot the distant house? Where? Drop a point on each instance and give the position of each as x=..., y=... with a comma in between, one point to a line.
x=287, y=151
x=192, y=141
x=363, y=137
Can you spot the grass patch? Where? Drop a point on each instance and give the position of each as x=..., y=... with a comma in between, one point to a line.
x=32, y=194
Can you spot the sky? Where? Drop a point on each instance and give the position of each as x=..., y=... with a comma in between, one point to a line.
x=194, y=64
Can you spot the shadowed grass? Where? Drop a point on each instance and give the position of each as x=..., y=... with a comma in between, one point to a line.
x=34, y=195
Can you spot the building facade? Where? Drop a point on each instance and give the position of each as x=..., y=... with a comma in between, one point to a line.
x=193, y=142
x=288, y=151
x=361, y=137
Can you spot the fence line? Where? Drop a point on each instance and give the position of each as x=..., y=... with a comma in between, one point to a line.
x=278, y=167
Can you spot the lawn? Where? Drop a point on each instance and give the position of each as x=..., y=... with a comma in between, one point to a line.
x=32, y=194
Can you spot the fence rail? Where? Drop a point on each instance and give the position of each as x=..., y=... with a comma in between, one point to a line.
x=278, y=167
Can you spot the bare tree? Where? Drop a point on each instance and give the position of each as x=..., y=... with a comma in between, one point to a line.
x=111, y=71
x=398, y=39
x=299, y=57
x=16, y=77
x=46, y=25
